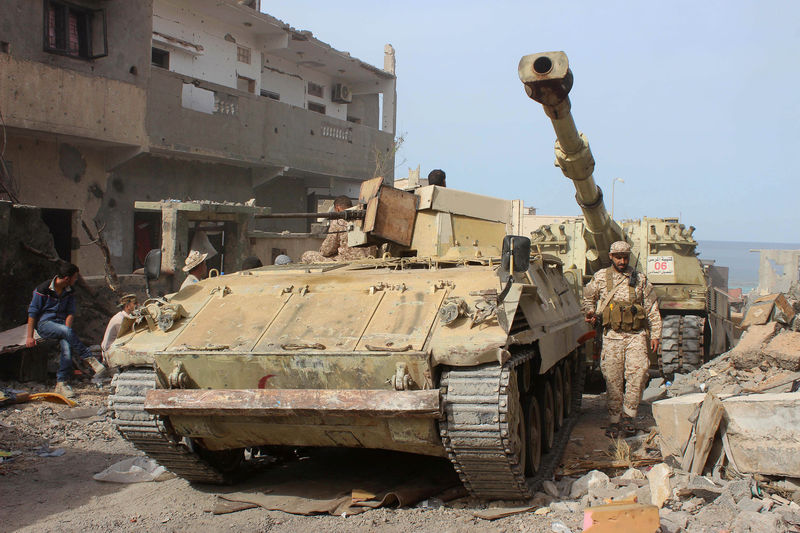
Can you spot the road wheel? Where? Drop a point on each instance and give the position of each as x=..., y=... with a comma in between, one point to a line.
x=558, y=397
x=566, y=376
x=533, y=434
x=548, y=415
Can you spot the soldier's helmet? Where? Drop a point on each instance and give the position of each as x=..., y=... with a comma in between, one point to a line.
x=620, y=247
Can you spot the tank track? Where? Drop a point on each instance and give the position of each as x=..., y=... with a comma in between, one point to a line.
x=681, y=344
x=476, y=429
x=149, y=433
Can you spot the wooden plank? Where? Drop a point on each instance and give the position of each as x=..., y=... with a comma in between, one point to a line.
x=705, y=431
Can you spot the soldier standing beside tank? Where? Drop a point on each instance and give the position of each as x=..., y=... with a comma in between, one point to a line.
x=629, y=310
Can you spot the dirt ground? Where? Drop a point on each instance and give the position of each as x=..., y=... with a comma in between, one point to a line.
x=59, y=493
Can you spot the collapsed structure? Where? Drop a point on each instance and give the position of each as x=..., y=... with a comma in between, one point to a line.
x=105, y=103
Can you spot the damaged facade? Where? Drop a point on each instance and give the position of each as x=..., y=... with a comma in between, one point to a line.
x=106, y=103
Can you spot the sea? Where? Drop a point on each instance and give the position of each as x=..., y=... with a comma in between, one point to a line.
x=738, y=257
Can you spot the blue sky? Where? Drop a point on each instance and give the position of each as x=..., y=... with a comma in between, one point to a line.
x=696, y=105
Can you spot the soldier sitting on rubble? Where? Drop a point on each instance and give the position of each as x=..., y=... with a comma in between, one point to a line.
x=52, y=312
x=195, y=266
x=334, y=247
x=128, y=304
x=437, y=177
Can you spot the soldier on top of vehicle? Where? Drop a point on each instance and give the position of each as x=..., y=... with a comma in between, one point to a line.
x=627, y=304
x=335, y=247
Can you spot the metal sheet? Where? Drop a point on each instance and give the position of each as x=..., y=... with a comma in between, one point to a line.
x=294, y=402
x=333, y=320
x=403, y=319
x=235, y=321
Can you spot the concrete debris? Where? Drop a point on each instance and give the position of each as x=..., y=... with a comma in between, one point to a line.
x=660, y=489
x=594, y=479
x=755, y=522
x=633, y=473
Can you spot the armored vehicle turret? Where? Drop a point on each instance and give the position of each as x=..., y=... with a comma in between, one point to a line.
x=694, y=312
x=456, y=342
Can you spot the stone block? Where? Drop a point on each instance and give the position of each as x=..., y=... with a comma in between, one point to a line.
x=550, y=488
x=673, y=521
x=703, y=488
x=749, y=504
x=753, y=522
x=633, y=473
x=672, y=418
x=660, y=490
x=763, y=432
x=581, y=486
x=748, y=352
x=739, y=489
x=628, y=517
x=784, y=349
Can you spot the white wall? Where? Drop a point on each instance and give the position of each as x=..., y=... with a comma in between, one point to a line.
x=217, y=63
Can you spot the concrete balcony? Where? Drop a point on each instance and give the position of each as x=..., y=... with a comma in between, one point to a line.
x=43, y=99
x=201, y=120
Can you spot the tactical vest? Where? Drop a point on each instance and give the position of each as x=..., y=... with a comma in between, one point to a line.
x=623, y=316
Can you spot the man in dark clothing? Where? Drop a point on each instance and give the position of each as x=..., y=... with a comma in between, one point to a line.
x=51, y=312
x=437, y=177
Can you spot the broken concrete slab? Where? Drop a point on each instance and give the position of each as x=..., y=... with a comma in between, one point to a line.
x=660, y=489
x=763, y=431
x=672, y=418
x=755, y=522
x=748, y=353
x=581, y=486
x=784, y=349
x=703, y=488
x=550, y=488
x=633, y=473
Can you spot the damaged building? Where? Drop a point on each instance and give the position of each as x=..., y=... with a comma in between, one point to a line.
x=106, y=103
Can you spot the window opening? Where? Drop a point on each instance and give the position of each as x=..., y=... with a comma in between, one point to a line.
x=243, y=54
x=315, y=90
x=160, y=58
x=60, y=223
x=318, y=108
x=246, y=84
x=270, y=94
x=74, y=31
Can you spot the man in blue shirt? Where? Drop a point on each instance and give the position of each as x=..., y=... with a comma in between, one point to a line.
x=51, y=312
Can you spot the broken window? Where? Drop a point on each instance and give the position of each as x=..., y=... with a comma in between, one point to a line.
x=246, y=84
x=270, y=94
x=243, y=54
x=74, y=31
x=315, y=90
x=60, y=223
x=160, y=58
x=318, y=108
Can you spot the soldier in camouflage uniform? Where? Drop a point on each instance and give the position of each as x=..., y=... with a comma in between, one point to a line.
x=627, y=304
x=334, y=247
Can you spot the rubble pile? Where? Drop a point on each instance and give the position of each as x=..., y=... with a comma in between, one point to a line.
x=31, y=429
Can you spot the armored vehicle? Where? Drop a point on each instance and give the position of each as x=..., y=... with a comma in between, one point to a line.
x=694, y=312
x=457, y=342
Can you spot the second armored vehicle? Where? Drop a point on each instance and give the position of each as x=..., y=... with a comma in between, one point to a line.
x=695, y=313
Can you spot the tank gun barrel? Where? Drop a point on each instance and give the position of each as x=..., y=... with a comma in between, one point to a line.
x=548, y=80
x=348, y=214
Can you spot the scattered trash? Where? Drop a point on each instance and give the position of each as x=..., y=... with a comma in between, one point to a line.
x=46, y=451
x=7, y=457
x=559, y=527
x=493, y=513
x=132, y=470
x=430, y=503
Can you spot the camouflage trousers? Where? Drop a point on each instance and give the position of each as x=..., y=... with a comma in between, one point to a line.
x=315, y=257
x=624, y=365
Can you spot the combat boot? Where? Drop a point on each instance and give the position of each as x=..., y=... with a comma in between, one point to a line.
x=100, y=371
x=64, y=390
